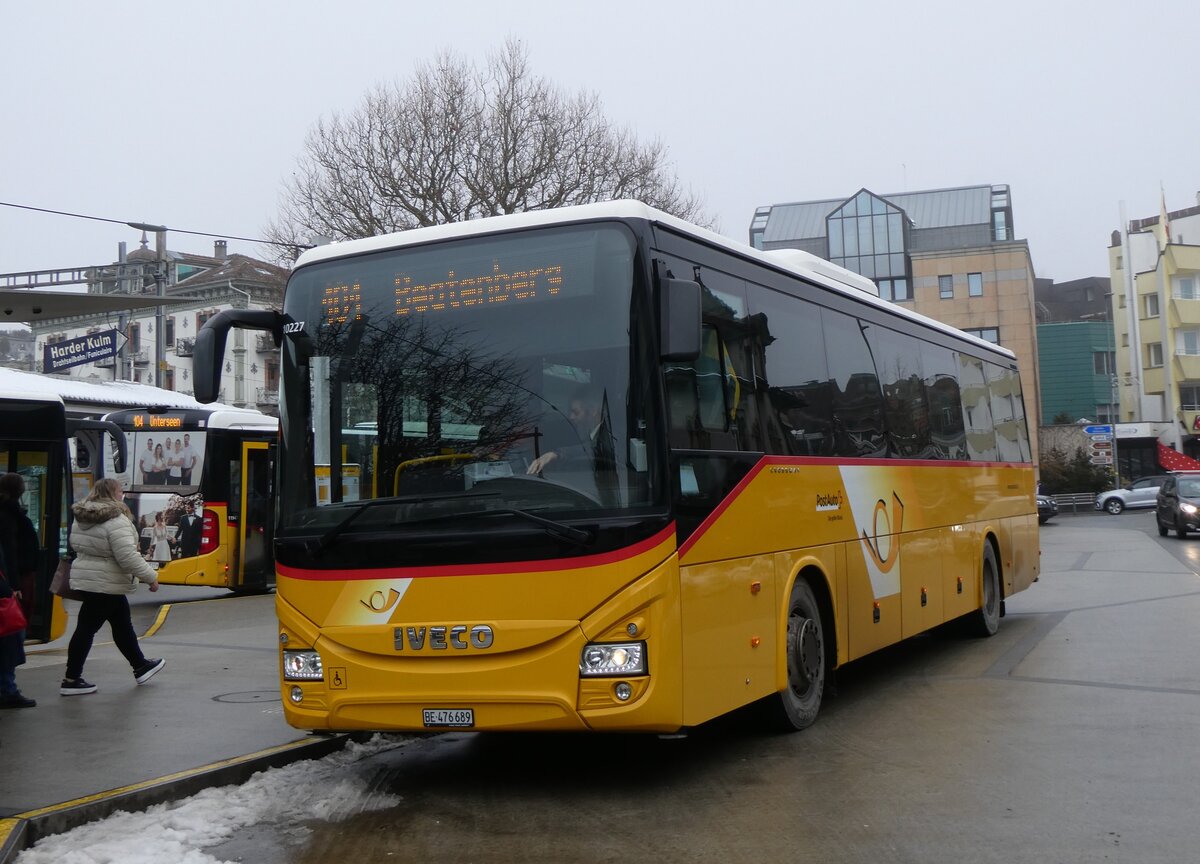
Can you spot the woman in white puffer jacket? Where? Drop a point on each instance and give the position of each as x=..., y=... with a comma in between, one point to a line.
x=106, y=568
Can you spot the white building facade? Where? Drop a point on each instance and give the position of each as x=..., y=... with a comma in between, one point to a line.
x=198, y=288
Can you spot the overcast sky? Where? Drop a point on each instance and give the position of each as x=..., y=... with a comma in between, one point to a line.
x=192, y=114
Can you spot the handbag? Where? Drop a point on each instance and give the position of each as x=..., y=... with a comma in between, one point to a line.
x=60, y=584
x=12, y=619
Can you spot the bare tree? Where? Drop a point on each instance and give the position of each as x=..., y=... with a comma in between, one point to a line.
x=456, y=142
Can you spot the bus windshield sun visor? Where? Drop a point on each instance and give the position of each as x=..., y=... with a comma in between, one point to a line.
x=315, y=548
x=559, y=529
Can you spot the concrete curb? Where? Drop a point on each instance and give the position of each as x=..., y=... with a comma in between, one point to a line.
x=21, y=831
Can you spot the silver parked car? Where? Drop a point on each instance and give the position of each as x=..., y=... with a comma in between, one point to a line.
x=1142, y=492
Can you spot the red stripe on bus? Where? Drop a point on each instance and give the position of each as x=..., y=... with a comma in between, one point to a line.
x=482, y=569
x=723, y=506
x=885, y=462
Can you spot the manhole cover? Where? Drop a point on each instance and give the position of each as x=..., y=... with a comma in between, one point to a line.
x=249, y=696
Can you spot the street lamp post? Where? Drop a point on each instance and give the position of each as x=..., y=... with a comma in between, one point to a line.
x=160, y=279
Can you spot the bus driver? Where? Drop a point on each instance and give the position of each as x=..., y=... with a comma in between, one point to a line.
x=586, y=414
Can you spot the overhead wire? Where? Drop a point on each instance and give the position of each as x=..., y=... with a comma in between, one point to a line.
x=172, y=230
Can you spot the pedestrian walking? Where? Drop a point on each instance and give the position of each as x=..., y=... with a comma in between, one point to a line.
x=106, y=569
x=18, y=565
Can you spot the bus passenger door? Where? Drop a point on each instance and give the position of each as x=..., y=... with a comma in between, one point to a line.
x=42, y=467
x=256, y=514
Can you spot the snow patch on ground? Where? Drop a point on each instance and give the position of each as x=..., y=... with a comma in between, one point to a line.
x=332, y=789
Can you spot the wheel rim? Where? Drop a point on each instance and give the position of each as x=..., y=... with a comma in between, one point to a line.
x=805, y=654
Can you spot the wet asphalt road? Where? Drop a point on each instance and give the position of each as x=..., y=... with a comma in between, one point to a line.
x=1071, y=736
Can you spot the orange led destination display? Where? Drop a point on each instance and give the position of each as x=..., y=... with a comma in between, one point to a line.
x=343, y=302
x=155, y=421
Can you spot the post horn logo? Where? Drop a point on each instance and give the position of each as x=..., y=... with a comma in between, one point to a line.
x=381, y=602
x=892, y=524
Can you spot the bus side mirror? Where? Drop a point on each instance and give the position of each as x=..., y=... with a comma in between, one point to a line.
x=86, y=444
x=679, y=319
x=209, y=351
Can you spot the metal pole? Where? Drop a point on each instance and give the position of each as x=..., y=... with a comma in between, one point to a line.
x=160, y=280
x=1131, y=311
x=160, y=283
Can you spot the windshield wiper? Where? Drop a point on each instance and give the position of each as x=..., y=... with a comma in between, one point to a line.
x=315, y=548
x=559, y=529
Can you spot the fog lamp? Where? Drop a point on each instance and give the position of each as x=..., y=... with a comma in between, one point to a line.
x=296, y=695
x=623, y=691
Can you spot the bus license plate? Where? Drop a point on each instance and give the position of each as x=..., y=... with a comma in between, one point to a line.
x=456, y=717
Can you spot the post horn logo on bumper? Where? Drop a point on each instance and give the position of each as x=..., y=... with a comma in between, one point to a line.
x=442, y=637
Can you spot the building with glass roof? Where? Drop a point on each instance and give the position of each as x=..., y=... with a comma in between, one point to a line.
x=949, y=254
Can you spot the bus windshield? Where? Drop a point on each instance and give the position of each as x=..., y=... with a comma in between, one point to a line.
x=467, y=384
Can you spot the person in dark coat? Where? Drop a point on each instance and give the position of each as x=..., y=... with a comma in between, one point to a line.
x=18, y=563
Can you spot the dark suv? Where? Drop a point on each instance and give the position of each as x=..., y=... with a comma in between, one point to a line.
x=1178, y=504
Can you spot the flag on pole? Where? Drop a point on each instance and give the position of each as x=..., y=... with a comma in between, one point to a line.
x=1164, y=221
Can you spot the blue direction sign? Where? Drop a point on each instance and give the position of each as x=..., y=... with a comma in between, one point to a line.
x=82, y=349
x=1105, y=429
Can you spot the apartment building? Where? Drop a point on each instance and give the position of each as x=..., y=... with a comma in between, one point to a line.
x=1154, y=264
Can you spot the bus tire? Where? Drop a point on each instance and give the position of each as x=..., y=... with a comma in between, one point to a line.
x=796, y=707
x=985, y=621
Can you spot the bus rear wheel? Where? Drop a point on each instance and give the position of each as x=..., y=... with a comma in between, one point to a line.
x=796, y=706
x=986, y=620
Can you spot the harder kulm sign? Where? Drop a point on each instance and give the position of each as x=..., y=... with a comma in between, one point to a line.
x=82, y=349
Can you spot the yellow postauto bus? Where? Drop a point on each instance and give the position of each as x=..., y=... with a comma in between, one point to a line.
x=198, y=483
x=599, y=469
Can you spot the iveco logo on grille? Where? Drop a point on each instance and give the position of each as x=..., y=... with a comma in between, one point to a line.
x=442, y=637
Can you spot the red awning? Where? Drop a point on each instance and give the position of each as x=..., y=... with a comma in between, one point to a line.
x=1172, y=460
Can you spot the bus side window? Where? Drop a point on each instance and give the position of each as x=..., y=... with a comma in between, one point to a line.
x=977, y=410
x=700, y=398
x=858, y=424
x=939, y=367
x=710, y=381
x=683, y=406
x=796, y=395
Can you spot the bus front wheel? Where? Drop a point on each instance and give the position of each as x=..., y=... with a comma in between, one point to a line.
x=798, y=704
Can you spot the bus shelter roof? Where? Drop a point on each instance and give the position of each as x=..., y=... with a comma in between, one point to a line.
x=24, y=306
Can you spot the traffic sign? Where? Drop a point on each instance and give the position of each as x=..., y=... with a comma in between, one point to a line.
x=1101, y=459
x=82, y=349
x=1102, y=437
x=1103, y=429
x=1101, y=445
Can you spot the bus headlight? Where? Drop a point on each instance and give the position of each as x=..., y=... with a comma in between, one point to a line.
x=614, y=658
x=302, y=666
